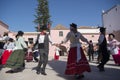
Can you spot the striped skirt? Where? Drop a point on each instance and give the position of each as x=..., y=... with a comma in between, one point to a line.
x=74, y=67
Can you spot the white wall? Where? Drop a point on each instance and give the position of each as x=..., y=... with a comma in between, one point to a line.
x=111, y=19
x=89, y=30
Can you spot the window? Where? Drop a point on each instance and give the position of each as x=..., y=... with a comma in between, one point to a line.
x=92, y=35
x=116, y=9
x=60, y=33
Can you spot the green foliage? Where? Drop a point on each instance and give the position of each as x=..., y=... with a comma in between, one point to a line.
x=42, y=14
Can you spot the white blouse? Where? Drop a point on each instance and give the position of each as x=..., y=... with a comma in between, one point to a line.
x=74, y=38
x=113, y=46
x=10, y=45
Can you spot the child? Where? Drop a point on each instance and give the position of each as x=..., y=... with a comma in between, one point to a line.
x=57, y=50
x=29, y=55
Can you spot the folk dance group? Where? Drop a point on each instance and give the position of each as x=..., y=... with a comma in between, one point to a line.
x=77, y=62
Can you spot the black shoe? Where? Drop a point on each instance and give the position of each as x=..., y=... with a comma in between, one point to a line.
x=10, y=71
x=101, y=69
x=43, y=73
x=38, y=72
x=20, y=69
x=79, y=76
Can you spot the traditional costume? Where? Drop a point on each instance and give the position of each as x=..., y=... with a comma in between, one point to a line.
x=3, y=40
x=115, y=50
x=7, y=52
x=76, y=62
x=16, y=59
x=1, y=48
x=103, y=49
x=42, y=41
x=57, y=53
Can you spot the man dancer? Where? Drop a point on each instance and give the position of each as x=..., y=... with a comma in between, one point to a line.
x=103, y=49
x=43, y=40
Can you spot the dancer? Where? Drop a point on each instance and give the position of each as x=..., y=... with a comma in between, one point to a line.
x=9, y=46
x=3, y=40
x=42, y=41
x=114, y=48
x=16, y=59
x=103, y=49
x=76, y=62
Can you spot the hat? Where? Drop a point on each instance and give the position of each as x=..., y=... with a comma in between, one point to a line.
x=20, y=33
x=102, y=29
x=44, y=27
x=73, y=25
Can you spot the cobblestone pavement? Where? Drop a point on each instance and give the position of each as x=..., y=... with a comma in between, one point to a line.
x=55, y=71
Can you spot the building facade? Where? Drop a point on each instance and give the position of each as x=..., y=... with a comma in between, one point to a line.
x=111, y=20
x=58, y=34
x=3, y=28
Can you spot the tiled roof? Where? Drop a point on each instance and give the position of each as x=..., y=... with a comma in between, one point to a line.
x=60, y=27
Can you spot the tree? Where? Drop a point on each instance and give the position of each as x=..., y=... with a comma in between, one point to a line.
x=42, y=14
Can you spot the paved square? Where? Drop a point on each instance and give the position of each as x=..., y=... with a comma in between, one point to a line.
x=55, y=71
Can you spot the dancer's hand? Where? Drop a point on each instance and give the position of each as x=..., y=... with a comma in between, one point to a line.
x=55, y=44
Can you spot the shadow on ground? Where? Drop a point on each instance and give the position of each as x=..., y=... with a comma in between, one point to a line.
x=59, y=67
x=109, y=74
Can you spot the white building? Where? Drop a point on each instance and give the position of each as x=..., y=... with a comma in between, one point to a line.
x=111, y=20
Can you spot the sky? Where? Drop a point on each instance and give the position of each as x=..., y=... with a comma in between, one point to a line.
x=19, y=14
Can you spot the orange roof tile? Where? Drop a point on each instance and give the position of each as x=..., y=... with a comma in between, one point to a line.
x=60, y=27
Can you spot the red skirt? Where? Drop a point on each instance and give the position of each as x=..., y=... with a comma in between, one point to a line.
x=29, y=56
x=56, y=57
x=74, y=67
x=5, y=56
x=116, y=58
